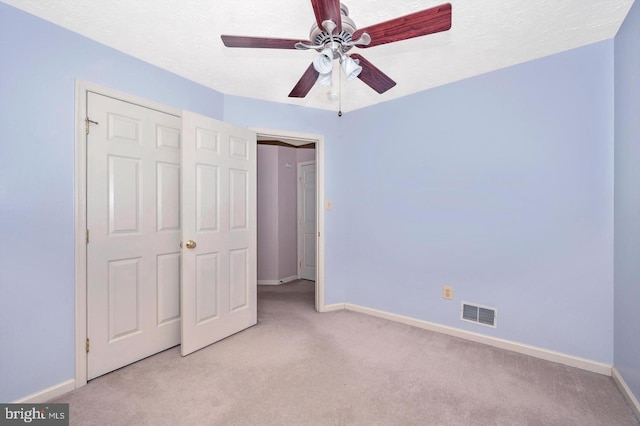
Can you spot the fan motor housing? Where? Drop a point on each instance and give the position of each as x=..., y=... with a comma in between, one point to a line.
x=320, y=37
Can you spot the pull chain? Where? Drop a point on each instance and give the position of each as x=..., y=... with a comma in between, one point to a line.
x=339, y=91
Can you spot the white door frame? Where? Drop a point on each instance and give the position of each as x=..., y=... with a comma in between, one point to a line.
x=80, y=210
x=298, y=139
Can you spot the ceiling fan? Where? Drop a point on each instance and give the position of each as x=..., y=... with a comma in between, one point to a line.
x=334, y=34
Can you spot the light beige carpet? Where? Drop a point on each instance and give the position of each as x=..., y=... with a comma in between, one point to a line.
x=299, y=367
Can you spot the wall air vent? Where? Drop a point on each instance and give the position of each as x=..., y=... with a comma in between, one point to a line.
x=479, y=314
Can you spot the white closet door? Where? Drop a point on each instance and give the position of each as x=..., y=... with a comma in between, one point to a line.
x=133, y=222
x=219, y=231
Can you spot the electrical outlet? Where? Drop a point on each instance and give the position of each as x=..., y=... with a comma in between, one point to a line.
x=447, y=292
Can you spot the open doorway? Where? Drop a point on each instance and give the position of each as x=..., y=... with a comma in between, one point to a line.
x=279, y=246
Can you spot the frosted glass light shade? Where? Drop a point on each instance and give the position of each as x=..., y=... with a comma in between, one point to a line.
x=351, y=68
x=323, y=63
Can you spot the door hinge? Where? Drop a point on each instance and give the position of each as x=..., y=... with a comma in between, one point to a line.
x=86, y=124
x=87, y=345
x=87, y=236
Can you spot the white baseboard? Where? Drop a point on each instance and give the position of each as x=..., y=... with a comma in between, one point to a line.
x=269, y=282
x=278, y=282
x=572, y=361
x=334, y=307
x=49, y=393
x=626, y=391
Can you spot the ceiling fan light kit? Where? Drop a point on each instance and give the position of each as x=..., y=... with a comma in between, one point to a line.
x=334, y=33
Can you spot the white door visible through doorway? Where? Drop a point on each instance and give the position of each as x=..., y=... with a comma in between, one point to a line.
x=141, y=285
x=133, y=223
x=307, y=220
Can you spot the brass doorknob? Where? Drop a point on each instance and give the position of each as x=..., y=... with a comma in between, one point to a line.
x=191, y=244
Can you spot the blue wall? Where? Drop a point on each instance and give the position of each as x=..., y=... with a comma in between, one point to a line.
x=627, y=200
x=501, y=186
x=39, y=63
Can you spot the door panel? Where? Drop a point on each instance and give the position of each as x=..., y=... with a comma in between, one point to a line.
x=207, y=212
x=133, y=219
x=168, y=197
x=239, y=199
x=168, y=266
x=238, y=270
x=124, y=300
x=219, y=215
x=124, y=195
x=207, y=279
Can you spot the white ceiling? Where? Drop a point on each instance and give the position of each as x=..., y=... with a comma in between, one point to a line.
x=183, y=36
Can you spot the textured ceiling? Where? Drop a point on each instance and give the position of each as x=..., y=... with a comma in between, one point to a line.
x=183, y=36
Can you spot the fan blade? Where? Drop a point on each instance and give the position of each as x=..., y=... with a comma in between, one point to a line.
x=305, y=83
x=429, y=21
x=327, y=10
x=261, y=42
x=372, y=76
